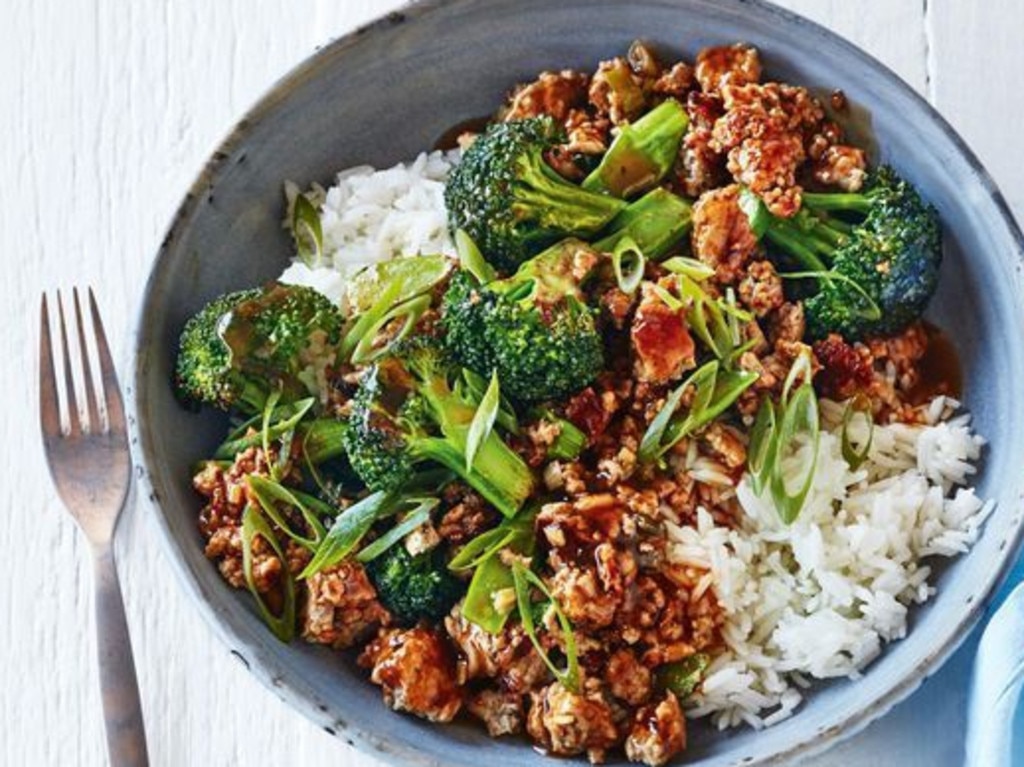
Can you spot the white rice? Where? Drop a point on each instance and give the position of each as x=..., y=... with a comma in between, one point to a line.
x=814, y=600
x=818, y=599
x=375, y=215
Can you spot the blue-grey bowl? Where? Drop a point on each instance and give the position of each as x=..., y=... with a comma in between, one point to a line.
x=386, y=92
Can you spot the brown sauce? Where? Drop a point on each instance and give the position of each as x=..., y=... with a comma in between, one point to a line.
x=450, y=138
x=940, y=371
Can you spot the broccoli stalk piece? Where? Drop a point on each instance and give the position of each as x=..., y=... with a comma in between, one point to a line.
x=243, y=345
x=533, y=329
x=406, y=412
x=642, y=153
x=875, y=254
x=509, y=200
x=657, y=223
x=414, y=588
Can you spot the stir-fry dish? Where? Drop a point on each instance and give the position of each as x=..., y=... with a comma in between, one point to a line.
x=617, y=412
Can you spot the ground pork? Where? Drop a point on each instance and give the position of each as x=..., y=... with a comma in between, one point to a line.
x=341, y=606
x=416, y=672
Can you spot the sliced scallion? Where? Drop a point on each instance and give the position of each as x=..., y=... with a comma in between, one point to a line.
x=255, y=525
x=628, y=263
x=523, y=579
x=483, y=420
x=348, y=529
x=853, y=455
x=413, y=519
x=306, y=231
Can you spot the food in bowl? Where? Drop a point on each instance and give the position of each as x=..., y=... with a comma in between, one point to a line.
x=619, y=412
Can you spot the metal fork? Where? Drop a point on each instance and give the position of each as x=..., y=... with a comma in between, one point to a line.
x=91, y=467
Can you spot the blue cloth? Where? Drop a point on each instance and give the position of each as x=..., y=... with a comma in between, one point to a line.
x=995, y=720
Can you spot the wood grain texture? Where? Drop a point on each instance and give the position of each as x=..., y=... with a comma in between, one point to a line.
x=111, y=109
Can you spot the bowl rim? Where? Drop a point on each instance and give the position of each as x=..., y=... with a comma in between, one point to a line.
x=292, y=692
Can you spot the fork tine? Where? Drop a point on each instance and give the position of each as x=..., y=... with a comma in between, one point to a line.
x=90, y=392
x=74, y=418
x=49, y=404
x=112, y=392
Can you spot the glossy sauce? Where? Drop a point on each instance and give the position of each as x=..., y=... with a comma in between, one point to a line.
x=939, y=367
x=450, y=138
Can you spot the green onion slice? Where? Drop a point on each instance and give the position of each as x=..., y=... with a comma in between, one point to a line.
x=270, y=493
x=288, y=417
x=483, y=420
x=409, y=312
x=415, y=518
x=348, y=529
x=854, y=456
x=800, y=417
x=306, y=231
x=254, y=524
x=716, y=390
x=628, y=263
x=523, y=579
x=482, y=548
x=689, y=267
x=471, y=259
x=761, y=450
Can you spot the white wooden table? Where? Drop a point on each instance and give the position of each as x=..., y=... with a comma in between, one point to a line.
x=107, y=110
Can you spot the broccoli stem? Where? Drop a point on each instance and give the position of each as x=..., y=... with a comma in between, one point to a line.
x=656, y=222
x=498, y=474
x=559, y=205
x=642, y=153
x=322, y=441
x=829, y=201
x=795, y=241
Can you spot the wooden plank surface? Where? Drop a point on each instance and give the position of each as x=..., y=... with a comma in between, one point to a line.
x=106, y=112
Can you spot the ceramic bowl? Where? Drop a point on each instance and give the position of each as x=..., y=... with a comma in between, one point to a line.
x=389, y=90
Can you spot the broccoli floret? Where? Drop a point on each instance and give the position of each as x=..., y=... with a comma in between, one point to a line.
x=243, y=345
x=642, y=153
x=406, y=412
x=533, y=329
x=414, y=588
x=511, y=203
x=875, y=255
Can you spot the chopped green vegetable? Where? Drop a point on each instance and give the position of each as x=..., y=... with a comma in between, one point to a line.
x=852, y=454
x=683, y=677
x=270, y=493
x=415, y=518
x=523, y=580
x=306, y=231
x=255, y=525
x=715, y=391
x=493, y=576
x=642, y=153
x=779, y=429
x=657, y=223
x=483, y=420
x=628, y=263
x=348, y=529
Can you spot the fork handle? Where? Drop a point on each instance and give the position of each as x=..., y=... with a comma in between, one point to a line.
x=122, y=709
